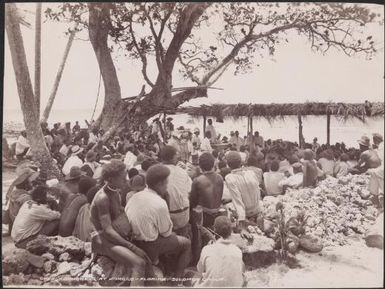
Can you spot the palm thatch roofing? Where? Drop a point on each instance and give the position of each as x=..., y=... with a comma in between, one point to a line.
x=274, y=111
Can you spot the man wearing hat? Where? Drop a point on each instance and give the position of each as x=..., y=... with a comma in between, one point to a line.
x=368, y=158
x=70, y=188
x=21, y=193
x=295, y=181
x=73, y=160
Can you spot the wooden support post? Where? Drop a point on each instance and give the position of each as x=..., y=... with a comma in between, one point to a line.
x=251, y=125
x=300, y=131
x=248, y=125
x=328, y=129
x=204, y=125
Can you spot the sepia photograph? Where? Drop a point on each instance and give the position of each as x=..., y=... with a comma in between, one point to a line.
x=193, y=144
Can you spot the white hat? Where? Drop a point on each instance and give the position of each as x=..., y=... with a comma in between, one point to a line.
x=196, y=130
x=76, y=149
x=52, y=182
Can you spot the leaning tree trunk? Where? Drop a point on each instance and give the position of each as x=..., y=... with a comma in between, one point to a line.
x=24, y=86
x=59, y=74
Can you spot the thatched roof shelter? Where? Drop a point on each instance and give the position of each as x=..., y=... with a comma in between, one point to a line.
x=273, y=111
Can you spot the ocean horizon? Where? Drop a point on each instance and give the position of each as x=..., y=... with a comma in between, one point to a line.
x=313, y=126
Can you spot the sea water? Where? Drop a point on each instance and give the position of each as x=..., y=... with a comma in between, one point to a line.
x=287, y=129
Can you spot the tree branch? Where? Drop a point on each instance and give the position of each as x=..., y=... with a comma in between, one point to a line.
x=142, y=57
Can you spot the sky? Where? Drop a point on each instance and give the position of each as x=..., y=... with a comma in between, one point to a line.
x=294, y=74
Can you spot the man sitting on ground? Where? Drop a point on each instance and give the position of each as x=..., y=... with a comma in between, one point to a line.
x=90, y=164
x=152, y=226
x=71, y=210
x=207, y=190
x=70, y=188
x=221, y=263
x=106, y=209
x=272, y=179
x=368, y=158
x=73, y=160
x=295, y=181
x=34, y=218
x=83, y=225
x=244, y=189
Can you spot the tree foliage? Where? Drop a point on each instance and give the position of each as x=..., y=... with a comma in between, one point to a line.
x=201, y=41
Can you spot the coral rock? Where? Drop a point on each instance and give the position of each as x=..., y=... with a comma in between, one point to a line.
x=15, y=261
x=64, y=257
x=49, y=266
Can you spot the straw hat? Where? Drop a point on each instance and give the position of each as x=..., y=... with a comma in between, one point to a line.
x=364, y=141
x=75, y=173
x=169, y=118
x=196, y=130
x=24, y=174
x=75, y=150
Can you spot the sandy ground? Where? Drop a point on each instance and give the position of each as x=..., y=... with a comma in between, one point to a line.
x=353, y=265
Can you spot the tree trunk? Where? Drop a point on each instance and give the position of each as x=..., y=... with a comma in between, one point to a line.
x=38, y=55
x=99, y=26
x=59, y=74
x=24, y=86
x=117, y=111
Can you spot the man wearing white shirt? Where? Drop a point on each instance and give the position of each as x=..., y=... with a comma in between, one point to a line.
x=295, y=181
x=152, y=226
x=22, y=145
x=73, y=160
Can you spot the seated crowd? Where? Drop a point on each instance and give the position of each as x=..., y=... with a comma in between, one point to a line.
x=141, y=197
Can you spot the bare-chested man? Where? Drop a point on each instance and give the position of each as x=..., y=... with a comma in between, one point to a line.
x=105, y=208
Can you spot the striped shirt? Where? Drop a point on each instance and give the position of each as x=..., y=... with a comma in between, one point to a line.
x=245, y=192
x=179, y=188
